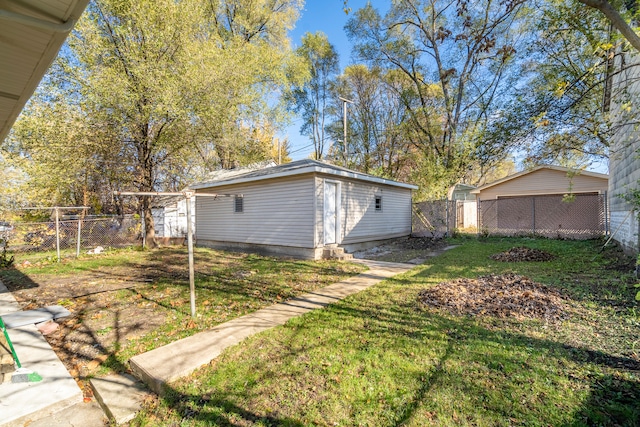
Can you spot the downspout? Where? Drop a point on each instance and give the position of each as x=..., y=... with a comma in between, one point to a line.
x=62, y=27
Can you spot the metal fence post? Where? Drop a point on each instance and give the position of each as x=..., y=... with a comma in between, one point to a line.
x=533, y=214
x=57, y=233
x=79, y=233
x=144, y=230
x=446, y=201
x=478, y=216
x=606, y=214
x=192, y=285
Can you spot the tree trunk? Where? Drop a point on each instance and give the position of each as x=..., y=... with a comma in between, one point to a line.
x=149, y=229
x=616, y=20
x=146, y=165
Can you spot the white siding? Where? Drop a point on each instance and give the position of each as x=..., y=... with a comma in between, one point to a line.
x=276, y=212
x=624, y=164
x=360, y=222
x=158, y=221
x=545, y=181
x=171, y=221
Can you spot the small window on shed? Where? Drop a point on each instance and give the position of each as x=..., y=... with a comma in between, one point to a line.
x=239, y=204
x=378, y=203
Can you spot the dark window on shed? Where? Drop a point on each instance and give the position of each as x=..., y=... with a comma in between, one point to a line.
x=238, y=206
x=378, y=203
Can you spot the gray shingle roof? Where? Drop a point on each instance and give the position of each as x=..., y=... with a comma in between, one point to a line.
x=298, y=168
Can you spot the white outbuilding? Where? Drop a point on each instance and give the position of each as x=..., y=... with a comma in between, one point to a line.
x=304, y=209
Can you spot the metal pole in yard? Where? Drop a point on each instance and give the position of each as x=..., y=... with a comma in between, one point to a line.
x=79, y=232
x=57, y=233
x=188, y=194
x=192, y=284
x=279, y=152
x=344, y=125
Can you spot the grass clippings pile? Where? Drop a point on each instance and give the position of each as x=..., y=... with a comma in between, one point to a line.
x=502, y=296
x=522, y=253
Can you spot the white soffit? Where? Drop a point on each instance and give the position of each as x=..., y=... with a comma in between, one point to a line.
x=31, y=34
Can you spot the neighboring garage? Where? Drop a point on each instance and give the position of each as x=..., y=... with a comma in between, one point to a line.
x=299, y=209
x=551, y=201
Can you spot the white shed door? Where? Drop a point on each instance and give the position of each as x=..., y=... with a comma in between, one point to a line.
x=330, y=212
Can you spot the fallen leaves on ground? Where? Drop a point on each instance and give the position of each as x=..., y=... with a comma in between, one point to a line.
x=508, y=295
x=522, y=253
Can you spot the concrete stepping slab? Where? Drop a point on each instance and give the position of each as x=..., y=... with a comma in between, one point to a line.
x=180, y=358
x=83, y=414
x=30, y=317
x=23, y=403
x=120, y=395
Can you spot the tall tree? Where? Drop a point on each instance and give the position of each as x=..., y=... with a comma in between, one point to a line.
x=559, y=114
x=64, y=158
x=313, y=100
x=456, y=55
x=165, y=84
x=377, y=141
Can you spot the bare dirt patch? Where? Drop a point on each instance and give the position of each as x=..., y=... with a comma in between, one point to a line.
x=107, y=310
x=502, y=296
x=521, y=254
x=411, y=249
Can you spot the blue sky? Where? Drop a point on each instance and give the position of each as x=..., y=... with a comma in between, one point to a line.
x=327, y=16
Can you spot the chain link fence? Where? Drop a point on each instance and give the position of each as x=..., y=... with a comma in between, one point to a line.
x=581, y=216
x=435, y=218
x=69, y=237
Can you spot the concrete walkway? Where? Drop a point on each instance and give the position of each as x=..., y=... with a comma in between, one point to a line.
x=180, y=358
x=121, y=395
x=20, y=402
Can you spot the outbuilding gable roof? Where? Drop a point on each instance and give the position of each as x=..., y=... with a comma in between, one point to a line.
x=527, y=172
x=300, y=167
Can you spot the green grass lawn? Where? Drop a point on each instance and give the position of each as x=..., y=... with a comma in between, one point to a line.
x=379, y=358
x=126, y=302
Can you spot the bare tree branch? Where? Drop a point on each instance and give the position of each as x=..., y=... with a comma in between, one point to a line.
x=616, y=20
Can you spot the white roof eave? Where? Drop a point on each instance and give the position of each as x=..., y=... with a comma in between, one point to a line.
x=305, y=170
x=31, y=34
